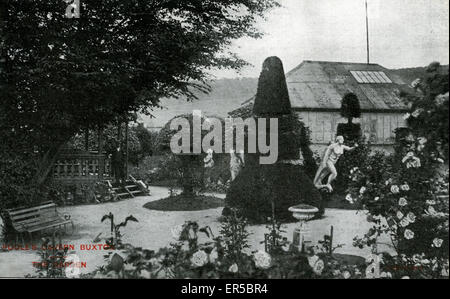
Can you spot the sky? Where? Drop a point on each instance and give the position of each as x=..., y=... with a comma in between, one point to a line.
x=403, y=33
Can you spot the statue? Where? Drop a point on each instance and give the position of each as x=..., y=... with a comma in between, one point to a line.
x=208, y=160
x=236, y=163
x=327, y=165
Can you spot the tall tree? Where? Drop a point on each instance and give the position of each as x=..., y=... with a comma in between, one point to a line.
x=66, y=75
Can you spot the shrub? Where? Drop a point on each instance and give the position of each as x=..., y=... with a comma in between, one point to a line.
x=355, y=158
x=256, y=188
x=400, y=193
x=350, y=107
x=225, y=256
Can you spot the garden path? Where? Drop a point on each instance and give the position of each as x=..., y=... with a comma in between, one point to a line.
x=153, y=230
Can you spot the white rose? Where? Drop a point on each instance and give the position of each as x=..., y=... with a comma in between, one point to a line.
x=402, y=202
x=199, y=258
x=233, y=268
x=404, y=187
x=213, y=256
x=437, y=242
x=400, y=215
x=262, y=259
x=431, y=211
x=404, y=222
x=346, y=275
x=407, y=157
x=422, y=140
x=362, y=190
x=395, y=189
x=349, y=199
x=411, y=217
x=415, y=163
x=409, y=234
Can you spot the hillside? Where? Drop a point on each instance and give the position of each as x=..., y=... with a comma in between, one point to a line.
x=228, y=94
x=225, y=95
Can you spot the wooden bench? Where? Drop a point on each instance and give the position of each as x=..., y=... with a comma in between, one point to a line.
x=35, y=219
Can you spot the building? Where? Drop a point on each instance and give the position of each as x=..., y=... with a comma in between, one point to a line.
x=316, y=89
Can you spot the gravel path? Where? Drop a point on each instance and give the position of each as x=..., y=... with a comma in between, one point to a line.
x=153, y=230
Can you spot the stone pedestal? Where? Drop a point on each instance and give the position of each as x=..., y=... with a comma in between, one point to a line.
x=301, y=234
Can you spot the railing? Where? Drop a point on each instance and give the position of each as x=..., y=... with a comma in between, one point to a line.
x=85, y=166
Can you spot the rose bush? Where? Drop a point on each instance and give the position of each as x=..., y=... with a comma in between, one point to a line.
x=406, y=197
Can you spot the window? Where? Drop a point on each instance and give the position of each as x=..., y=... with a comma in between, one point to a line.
x=370, y=77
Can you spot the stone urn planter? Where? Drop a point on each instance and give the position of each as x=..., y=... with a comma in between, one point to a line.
x=302, y=213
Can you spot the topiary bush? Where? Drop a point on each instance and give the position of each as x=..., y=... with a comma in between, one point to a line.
x=256, y=188
x=263, y=191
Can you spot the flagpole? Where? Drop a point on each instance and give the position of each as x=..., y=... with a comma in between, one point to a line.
x=367, y=35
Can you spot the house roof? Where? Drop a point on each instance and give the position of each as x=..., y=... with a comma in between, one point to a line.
x=320, y=85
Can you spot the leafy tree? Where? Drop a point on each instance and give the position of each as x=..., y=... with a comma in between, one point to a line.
x=61, y=76
x=189, y=165
x=430, y=107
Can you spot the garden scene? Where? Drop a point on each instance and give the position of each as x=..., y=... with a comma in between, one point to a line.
x=328, y=170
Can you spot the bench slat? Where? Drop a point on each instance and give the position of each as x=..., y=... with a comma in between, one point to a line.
x=33, y=214
x=23, y=211
x=37, y=219
x=49, y=226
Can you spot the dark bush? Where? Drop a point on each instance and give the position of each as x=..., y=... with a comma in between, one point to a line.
x=272, y=97
x=350, y=107
x=257, y=187
x=349, y=160
x=350, y=132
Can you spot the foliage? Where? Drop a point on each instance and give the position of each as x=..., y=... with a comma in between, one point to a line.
x=429, y=109
x=357, y=157
x=61, y=76
x=53, y=259
x=404, y=190
x=225, y=256
x=256, y=188
x=187, y=168
x=116, y=237
x=140, y=142
x=272, y=97
x=351, y=132
x=406, y=194
x=350, y=107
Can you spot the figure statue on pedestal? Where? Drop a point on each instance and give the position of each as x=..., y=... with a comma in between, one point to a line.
x=327, y=165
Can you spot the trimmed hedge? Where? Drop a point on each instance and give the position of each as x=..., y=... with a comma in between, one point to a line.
x=254, y=189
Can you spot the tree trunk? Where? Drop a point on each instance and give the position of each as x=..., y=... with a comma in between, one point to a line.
x=187, y=179
x=350, y=120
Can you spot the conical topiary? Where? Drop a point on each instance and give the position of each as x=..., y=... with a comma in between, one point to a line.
x=272, y=97
x=260, y=188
